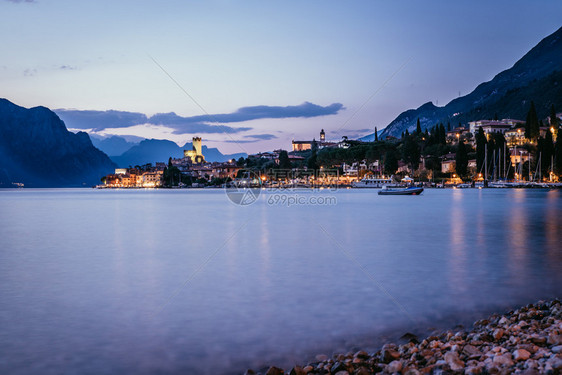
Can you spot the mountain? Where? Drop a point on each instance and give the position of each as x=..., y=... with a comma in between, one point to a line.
x=112, y=146
x=37, y=150
x=536, y=76
x=160, y=150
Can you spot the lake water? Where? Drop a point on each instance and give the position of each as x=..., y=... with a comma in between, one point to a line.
x=185, y=281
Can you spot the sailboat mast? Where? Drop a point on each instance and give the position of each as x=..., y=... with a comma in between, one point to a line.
x=494, y=158
x=540, y=169
x=551, y=167
x=486, y=163
x=504, y=158
x=530, y=175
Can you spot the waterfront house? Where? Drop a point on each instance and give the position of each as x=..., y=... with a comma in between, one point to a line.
x=225, y=170
x=456, y=134
x=448, y=166
x=152, y=179
x=519, y=155
x=515, y=137
x=489, y=126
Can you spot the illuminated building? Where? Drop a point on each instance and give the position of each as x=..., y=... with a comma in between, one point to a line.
x=195, y=154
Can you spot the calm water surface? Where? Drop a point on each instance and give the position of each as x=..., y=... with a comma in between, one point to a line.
x=169, y=282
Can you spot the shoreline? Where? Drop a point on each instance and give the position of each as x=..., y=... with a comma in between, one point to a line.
x=527, y=340
x=554, y=186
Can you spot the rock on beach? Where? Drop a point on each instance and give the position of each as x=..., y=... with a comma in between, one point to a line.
x=525, y=341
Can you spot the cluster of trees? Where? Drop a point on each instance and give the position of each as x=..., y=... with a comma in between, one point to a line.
x=432, y=144
x=172, y=176
x=409, y=148
x=387, y=152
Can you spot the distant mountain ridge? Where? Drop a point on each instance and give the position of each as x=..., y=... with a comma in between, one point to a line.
x=507, y=95
x=160, y=150
x=37, y=150
x=112, y=146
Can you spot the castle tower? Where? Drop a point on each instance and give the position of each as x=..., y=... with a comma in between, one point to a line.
x=322, y=136
x=197, y=145
x=195, y=154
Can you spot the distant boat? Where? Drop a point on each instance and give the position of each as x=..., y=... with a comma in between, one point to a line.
x=498, y=184
x=372, y=182
x=412, y=190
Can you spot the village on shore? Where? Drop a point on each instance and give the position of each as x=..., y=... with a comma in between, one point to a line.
x=484, y=153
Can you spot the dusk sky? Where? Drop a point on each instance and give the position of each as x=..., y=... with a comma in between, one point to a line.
x=257, y=72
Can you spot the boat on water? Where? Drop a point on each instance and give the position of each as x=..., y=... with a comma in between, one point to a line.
x=412, y=190
x=372, y=182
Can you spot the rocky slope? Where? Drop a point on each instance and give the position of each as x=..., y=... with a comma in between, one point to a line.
x=37, y=150
x=538, y=69
x=112, y=146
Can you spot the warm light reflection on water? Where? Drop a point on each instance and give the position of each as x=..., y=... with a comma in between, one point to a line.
x=457, y=256
x=138, y=282
x=552, y=229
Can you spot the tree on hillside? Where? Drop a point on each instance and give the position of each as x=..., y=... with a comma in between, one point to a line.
x=312, y=162
x=314, y=145
x=284, y=162
x=442, y=135
x=390, y=162
x=171, y=176
x=376, y=135
x=553, y=118
x=480, y=148
x=411, y=152
x=545, y=151
x=532, y=127
x=461, y=159
x=418, y=127
x=558, y=156
x=554, y=121
x=372, y=154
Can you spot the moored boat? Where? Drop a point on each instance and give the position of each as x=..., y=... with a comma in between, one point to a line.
x=372, y=182
x=412, y=190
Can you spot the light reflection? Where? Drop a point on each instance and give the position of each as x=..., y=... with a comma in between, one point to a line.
x=517, y=251
x=458, y=241
x=553, y=230
x=265, y=254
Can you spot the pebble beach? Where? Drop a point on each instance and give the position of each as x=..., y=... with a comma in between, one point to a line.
x=523, y=341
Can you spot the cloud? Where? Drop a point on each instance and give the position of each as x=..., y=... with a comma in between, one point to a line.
x=193, y=124
x=351, y=133
x=340, y=131
x=209, y=123
x=100, y=120
x=67, y=67
x=252, y=138
x=263, y=137
x=29, y=72
x=305, y=110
